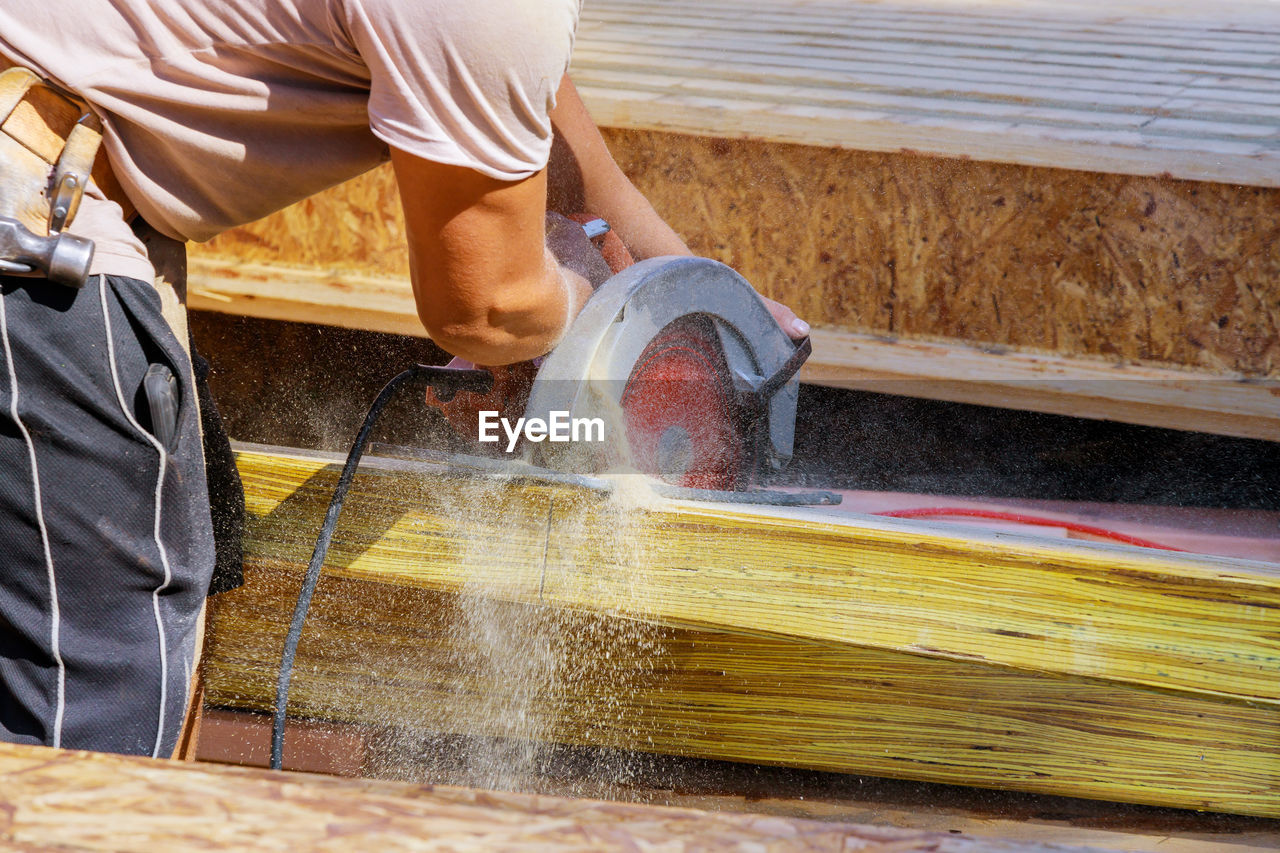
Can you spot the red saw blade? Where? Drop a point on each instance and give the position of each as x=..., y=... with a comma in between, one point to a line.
x=682, y=422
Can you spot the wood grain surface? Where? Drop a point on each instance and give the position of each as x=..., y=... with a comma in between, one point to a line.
x=60, y=800
x=1166, y=620
x=1114, y=267
x=1150, y=394
x=1104, y=87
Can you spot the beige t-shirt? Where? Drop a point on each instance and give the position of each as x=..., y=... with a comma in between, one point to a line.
x=218, y=112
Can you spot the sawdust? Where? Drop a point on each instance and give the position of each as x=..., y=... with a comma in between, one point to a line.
x=524, y=667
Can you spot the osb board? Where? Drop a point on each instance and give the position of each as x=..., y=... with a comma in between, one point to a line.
x=243, y=738
x=386, y=656
x=1077, y=263
x=1087, y=264
x=78, y=801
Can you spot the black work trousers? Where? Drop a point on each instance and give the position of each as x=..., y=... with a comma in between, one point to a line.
x=106, y=547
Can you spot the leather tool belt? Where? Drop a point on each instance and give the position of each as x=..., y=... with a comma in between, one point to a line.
x=48, y=144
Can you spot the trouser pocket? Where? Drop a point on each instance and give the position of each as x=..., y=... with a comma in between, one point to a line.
x=107, y=525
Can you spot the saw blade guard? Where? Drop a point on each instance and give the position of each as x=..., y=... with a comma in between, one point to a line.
x=698, y=331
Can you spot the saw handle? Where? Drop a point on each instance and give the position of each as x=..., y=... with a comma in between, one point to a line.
x=506, y=391
x=445, y=382
x=754, y=393
x=789, y=368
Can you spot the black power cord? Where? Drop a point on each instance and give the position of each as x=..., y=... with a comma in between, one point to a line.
x=445, y=382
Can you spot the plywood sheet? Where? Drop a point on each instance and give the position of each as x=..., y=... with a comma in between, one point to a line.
x=75, y=801
x=1119, y=88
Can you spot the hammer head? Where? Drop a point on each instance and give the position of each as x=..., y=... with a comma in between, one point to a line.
x=62, y=258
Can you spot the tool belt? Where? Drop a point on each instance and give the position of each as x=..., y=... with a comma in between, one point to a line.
x=48, y=144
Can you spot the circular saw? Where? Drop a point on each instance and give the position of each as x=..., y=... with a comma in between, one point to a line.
x=693, y=379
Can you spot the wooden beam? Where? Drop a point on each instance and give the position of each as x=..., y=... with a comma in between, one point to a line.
x=1068, y=607
x=791, y=637
x=77, y=801
x=382, y=656
x=1199, y=401
x=303, y=295
x=1128, y=392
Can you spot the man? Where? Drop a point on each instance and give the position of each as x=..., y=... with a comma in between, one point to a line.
x=215, y=113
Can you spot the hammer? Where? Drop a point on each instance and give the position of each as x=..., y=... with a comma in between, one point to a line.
x=63, y=258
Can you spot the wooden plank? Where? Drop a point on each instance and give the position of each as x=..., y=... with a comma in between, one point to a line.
x=1223, y=161
x=1193, y=47
x=774, y=637
x=1082, y=388
x=330, y=298
x=78, y=801
x=1039, y=60
x=891, y=98
x=1231, y=31
x=589, y=773
x=380, y=655
x=1130, y=393
x=837, y=67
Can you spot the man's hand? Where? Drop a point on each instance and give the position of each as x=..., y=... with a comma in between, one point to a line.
x=795, y=328
x=573, y=250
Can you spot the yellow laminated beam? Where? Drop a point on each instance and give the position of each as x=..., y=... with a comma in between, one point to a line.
x=796, y=637
x=1160, y=619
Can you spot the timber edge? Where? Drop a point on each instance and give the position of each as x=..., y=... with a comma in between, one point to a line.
x=1124, y=391
x=80, y=801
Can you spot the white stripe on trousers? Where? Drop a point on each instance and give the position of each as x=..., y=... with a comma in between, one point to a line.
x=55, y=615
x=164, y=556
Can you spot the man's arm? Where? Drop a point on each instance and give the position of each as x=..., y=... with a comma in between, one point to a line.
x=585, y=178
x=487, y=288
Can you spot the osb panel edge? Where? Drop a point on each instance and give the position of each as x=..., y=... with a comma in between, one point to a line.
x=1075, y=263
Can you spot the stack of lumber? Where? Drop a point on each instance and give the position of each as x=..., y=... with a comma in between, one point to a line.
x=75, y=801
x=805, y=638
x=1071, y=209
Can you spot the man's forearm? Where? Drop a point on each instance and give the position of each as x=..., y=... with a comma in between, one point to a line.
x=584, y=176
